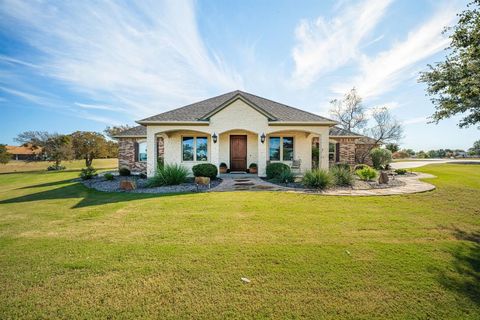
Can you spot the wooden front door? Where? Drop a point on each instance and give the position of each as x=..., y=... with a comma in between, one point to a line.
x=238, y=153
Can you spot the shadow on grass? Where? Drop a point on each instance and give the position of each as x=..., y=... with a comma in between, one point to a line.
x=48, y=184
x=465, y=275
x=88, y=196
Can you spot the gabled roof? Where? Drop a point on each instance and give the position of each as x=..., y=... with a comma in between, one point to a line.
x=340, y=132
x=138, y=131
x=203, y=110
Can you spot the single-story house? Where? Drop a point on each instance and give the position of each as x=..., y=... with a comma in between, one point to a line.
x=238, y=129
x=24, y=152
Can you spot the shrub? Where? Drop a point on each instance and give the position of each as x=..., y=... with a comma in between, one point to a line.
x=124, y=172
x=367, y=173
x=342, y=176
x=168, y=175
x=275, y=169
x=108, y=176
x=286, y=177
x=253, y=166
x=205, y=170
x=360, y=166
x=401, y=171
x=223, y=165
x=54, y=167
x=143, y=175
x=88, y=173
x=380, y=158
x=317, y=179
x=342, y=165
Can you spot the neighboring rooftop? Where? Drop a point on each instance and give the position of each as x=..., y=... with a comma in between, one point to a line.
x=340, y=132
x=200, y=111
x=25, y=150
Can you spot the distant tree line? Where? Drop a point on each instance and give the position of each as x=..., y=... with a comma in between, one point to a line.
x=474, y=151
x=79, y=145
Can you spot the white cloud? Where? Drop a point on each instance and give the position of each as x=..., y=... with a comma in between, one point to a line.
x=97, y=107
x=147, y=56
x=383, y=72
x=324, y=45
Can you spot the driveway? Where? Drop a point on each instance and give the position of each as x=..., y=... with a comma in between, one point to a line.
x=421, y=163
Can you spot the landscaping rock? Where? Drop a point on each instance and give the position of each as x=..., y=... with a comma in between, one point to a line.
x=383, y=178
x=128, y=185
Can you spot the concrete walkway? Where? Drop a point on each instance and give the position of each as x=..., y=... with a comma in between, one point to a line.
x=250, y=182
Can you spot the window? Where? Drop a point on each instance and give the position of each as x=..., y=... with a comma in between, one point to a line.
x=194, y=148
x=281, y=148
x=142, y=151
x=332, y=151
x=287, y=148
x=274, y=148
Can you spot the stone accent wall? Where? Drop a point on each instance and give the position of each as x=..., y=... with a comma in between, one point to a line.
x=347, y=150
x=126, y=154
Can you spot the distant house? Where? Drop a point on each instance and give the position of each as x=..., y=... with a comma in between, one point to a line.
x=24, y=152
x=238, y=129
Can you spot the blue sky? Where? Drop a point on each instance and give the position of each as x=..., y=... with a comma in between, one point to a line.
x=83, y=65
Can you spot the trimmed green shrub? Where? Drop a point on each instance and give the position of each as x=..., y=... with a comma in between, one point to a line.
x=380, y=158
x=88, y=173
x=54, y=167
x=168, y=175
x=108, y=176
x=317, y=179
x=205, y=170
x=143, y=175
x=285, y=177
x=275, y=169
x=366, y=173
x=342, y=176
x=124, y=172
x=401, y=171
x=223, y=165
x=360, y=166
x=252, y=166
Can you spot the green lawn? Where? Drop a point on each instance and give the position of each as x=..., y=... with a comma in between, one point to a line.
x=22, y=166
x=69, y=252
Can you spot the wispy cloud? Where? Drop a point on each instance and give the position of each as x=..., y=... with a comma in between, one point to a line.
x=325, y=45
x=386, y=70
x=415, y=120
x=97, y=107
x=144, y=55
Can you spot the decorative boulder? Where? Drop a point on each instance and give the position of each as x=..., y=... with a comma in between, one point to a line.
x=383, y=178
x=204, y=181
x=128, y=185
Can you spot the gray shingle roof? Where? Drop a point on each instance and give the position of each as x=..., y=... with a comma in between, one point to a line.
x=199, y=110
x=337, y=131
x=133, y=132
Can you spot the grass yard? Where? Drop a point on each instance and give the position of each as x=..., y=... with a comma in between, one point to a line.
x=69, y=252
x=22, y=166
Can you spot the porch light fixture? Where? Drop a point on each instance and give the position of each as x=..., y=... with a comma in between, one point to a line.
x=214, y=137
x=262, y=138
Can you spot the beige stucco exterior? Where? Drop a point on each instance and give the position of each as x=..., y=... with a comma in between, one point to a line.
x=237, y=118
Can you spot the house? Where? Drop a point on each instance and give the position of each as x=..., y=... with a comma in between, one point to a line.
x=24, y=152
x=236, y=128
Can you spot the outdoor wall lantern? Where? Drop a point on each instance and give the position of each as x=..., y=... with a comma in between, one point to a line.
x=214, y=137
x=262, y=137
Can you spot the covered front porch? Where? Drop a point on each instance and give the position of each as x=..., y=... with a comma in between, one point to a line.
x=238, y=148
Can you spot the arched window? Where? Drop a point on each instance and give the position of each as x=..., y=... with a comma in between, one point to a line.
x=142, y=151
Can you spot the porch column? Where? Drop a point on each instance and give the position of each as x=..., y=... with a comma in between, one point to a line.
x=323, y=154
x=215, y=151
x=151, y=152
x=262, y=158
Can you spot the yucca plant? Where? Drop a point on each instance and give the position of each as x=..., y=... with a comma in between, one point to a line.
x=342, y=176
x=168, y=175
x=317, y=179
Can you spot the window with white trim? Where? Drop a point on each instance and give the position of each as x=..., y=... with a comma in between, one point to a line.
x=332, y=151
x=194, y=149
x=142, y=151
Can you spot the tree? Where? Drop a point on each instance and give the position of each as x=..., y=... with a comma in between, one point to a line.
x=4, y=155
x=88, y=145
x=475, y=149
x=349, y=111
x=454, y=84
x=393, y=147
x=57, y=148
x=115, y=130
x=111, y=149
x=34, y=139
